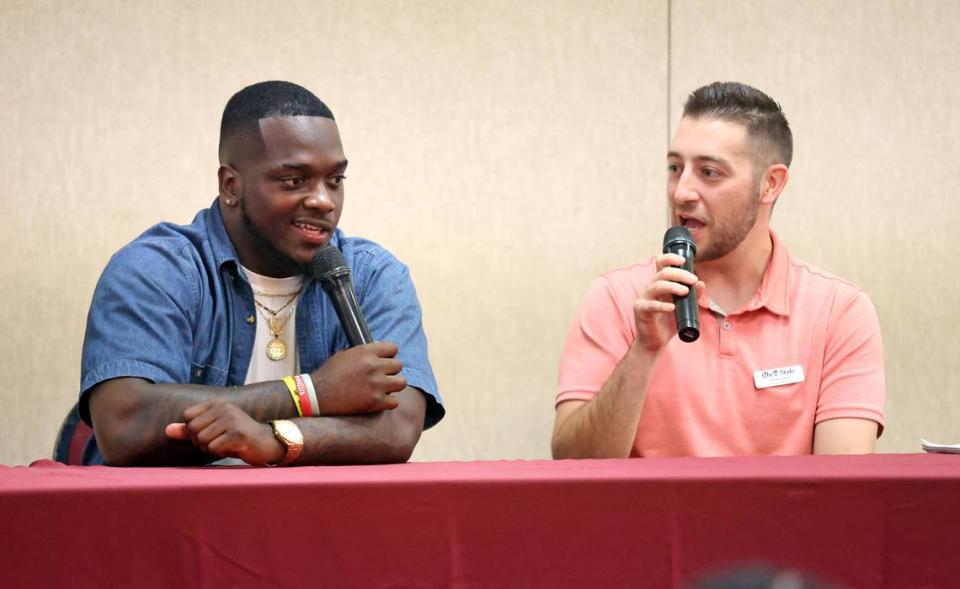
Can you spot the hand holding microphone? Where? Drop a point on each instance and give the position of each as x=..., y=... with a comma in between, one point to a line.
x=678, y=240
x=361, y=378
x=668, y=306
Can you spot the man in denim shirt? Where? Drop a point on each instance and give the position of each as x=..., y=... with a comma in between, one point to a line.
x=192, y=327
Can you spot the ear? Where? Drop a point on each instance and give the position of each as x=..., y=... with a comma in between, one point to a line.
x=230, y=185
x=772, y=183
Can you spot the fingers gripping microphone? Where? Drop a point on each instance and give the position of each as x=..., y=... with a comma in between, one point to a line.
x=333, y=273
x=678, y=240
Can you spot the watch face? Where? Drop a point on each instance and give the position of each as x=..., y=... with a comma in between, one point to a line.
x=289, y=431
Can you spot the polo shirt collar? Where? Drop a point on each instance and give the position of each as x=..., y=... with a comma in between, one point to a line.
x=221, y=244
x=775, y=289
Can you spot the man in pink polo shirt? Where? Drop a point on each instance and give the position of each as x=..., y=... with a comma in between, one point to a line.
x=789, y=359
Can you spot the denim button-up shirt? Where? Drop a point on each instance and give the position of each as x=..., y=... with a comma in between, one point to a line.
x=174, y=305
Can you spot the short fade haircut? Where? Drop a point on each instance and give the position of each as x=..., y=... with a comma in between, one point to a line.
x=766, y=124
x=268, y=99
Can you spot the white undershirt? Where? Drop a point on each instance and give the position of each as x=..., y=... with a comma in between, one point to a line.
x=262, y=368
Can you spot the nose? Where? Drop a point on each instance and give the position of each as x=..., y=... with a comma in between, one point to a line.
x=684, y=188
x=320, y=199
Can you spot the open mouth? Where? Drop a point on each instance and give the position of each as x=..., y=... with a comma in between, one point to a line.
x=316, y=233
x=691, y=223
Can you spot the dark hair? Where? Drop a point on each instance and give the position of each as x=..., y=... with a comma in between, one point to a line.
x=269, y=99
x=766, y=124
x=759, y=576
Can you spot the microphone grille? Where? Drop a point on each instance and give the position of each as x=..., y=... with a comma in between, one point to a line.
x=328, y=259
x=677, y=233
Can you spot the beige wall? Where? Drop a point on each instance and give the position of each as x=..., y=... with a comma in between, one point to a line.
x=508, y=152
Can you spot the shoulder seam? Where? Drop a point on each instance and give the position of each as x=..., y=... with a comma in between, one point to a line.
x=628, y=267
x=814, y=271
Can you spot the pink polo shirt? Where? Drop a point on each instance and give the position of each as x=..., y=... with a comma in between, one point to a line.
x=703, y=399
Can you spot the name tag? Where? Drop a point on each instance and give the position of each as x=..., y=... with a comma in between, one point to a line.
x=774, y=377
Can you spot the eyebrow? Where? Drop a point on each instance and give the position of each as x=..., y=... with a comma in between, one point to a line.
x=341, y=165
x=702, y=158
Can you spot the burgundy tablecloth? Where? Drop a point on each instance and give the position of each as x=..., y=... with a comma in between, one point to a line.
x=869, y=521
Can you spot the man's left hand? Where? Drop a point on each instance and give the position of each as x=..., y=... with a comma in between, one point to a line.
x=222, y=429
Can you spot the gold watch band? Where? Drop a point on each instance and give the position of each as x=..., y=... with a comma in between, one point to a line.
x=291, y=437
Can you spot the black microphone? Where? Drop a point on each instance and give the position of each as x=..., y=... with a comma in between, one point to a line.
x=677, y=240
x=333, y=273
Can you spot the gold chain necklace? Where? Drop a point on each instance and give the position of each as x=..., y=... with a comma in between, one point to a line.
x=278, y=294
x=276, y=349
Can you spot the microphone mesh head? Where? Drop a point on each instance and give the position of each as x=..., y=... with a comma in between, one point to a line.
x=328, y=260
x=678, y=234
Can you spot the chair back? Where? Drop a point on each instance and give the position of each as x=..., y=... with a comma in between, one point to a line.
x=75, y=444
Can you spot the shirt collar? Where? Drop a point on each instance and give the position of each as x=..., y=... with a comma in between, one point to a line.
x=221, y=244
x=775, y=289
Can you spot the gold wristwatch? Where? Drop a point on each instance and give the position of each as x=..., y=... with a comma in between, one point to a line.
x=290, y=436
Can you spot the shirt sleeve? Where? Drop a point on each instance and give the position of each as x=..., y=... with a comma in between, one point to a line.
x=140, y=322
x=392, y=311
x=599, y=337
x=853, y=382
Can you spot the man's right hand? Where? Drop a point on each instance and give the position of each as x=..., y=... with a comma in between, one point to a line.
x=606, y=426
x=359, y=380
x=653, y=311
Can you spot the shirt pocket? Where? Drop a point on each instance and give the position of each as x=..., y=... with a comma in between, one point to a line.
x=205, y=374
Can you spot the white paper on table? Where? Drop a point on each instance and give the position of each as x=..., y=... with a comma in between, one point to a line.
x=934, y=447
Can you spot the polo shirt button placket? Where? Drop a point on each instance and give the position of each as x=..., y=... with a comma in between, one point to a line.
x=727, y=343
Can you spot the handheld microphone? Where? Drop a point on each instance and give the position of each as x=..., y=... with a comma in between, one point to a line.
x=677, y=240
x=333, y=273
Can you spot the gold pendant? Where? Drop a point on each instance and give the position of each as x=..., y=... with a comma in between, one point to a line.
x=276, y=349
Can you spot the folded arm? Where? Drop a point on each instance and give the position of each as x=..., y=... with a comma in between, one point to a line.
x=129, y=416
x=141, y=423
x=384, y=437
x=221, y=430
